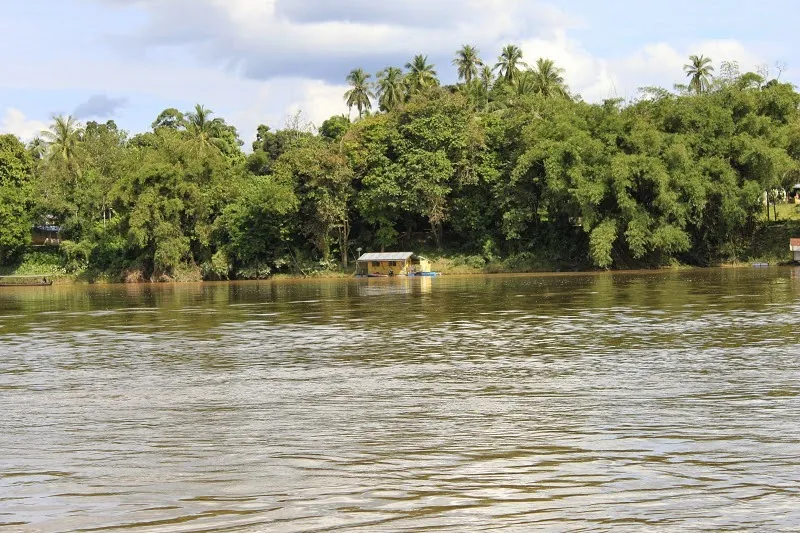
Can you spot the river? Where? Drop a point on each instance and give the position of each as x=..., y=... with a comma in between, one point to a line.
x=625, y=402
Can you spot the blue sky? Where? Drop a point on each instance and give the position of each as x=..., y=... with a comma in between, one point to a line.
x=259, y=61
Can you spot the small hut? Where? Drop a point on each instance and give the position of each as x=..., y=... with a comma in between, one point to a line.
x=46, y=235
x=794, y=246
x=382, y=264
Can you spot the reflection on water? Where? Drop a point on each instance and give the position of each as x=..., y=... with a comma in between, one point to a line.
x=579, y=402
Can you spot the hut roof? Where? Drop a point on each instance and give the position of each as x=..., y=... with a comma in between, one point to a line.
x=386, y=256
x=794, y=245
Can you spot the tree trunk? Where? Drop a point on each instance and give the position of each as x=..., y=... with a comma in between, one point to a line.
x=342, y=248
x=408, y=237
x=436, y=228
x=344, y=238
x=766, y=196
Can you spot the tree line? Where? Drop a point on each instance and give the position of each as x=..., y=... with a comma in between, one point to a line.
x=394, y=86
x=505, y=163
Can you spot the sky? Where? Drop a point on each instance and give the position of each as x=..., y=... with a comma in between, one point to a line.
x=261, y=61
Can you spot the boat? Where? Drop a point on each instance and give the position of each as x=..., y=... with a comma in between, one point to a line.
x=25, y=281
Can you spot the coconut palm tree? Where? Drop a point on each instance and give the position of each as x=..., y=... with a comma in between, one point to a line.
x=487, y=77
x=63, y=137
x=699, y=70
x=525, y=83
x=421, y=76
x=547, y=79
x=37, y=148
x=480, y=88
x=467, y=62
x=510, y=62
x=360, y=93
x=390, y=88
x=202, y=128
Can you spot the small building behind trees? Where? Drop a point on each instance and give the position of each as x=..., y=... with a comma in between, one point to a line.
x=46, y=235
x=794, y=194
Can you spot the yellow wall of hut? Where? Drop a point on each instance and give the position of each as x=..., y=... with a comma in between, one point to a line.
x=397, y=268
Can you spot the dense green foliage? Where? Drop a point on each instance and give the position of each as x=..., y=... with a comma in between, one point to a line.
x=16, y=174
x=506, y=164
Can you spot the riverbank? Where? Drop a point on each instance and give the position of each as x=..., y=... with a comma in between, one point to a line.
x=448, y=266
x=769, y=246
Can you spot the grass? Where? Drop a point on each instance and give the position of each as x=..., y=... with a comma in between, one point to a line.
x=784, y=211
x=771, y=242
x=36, y=261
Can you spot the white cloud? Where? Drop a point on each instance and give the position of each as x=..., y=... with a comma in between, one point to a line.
x=274, y=101
x=15, y=122
x=257, y=61
x=99, y=106
x=304, y=38
x=657, y=64
x=307, y=39
x=245, y=103
x=661, y=64
x=319, y=101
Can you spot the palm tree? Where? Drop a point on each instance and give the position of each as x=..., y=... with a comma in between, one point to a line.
x=37, y=148
x=487, y=77
x=699, y=70
x=360, y=93
x=63, y=137
x=421, y=76
x=467, y=62
x=390, y=88
x=510, y=62
x=203, y=128
x=548, y=80
x=525, y=83
x=479, y=89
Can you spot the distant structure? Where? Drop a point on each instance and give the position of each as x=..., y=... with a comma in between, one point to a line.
x=384, y=264
x=47, y=235
x=794, y=195
x=794, y=246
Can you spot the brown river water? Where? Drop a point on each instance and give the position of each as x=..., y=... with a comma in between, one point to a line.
x=611, y=402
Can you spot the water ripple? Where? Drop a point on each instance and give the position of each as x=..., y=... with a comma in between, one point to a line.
x=575, y=403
